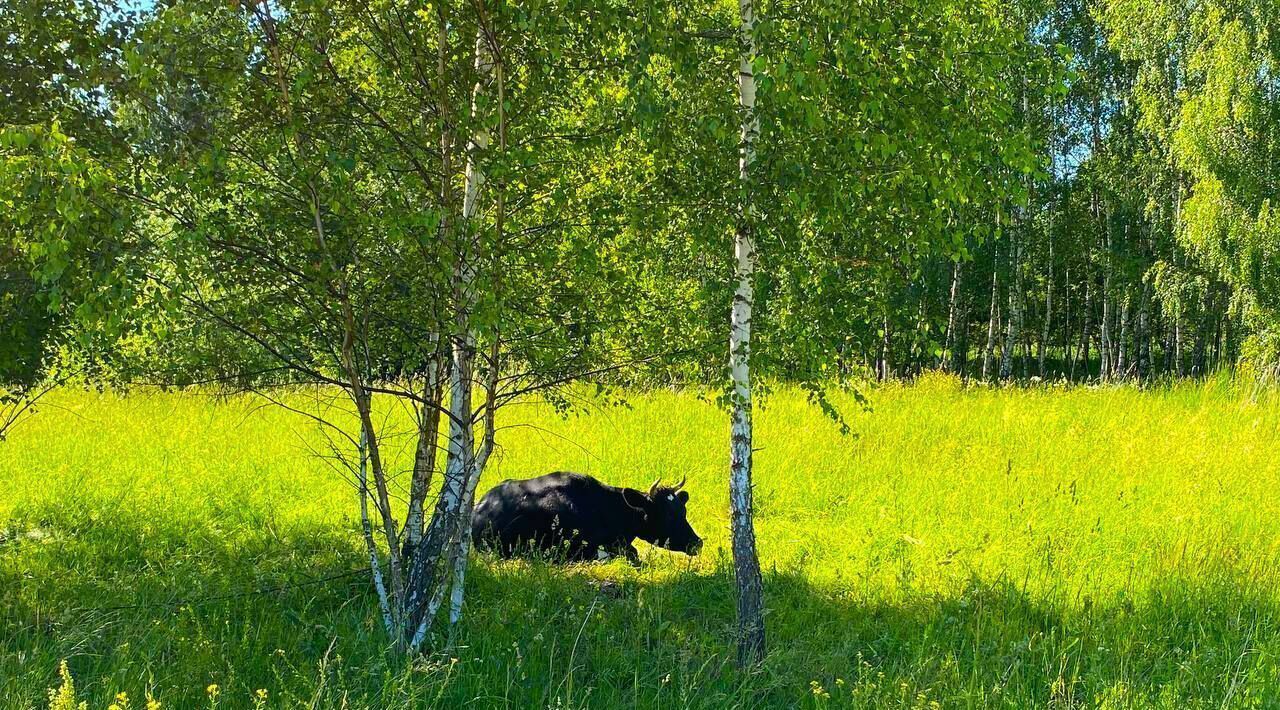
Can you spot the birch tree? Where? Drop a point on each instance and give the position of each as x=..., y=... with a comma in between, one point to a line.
x=746, y=563
x=317, y=201
x=1207, y=91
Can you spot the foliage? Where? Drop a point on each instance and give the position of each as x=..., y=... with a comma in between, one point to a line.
x=1206, y=91
x=878, y=152
x=56, y=230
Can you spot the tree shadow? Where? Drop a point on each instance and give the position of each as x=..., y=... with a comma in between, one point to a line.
x=139, y=599
x=1185, y=642
x=244, y=601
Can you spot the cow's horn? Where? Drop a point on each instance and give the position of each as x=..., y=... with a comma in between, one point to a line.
x=653, y=490
x=681, y=483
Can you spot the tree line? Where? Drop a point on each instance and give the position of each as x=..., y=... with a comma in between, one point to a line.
x=1145, y=247
x=456, y=205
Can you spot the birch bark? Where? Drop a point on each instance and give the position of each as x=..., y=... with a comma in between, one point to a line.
x=993, y=320
x=950, y=359
x=1045, y=328
x=434, y=565
x=751, y=632
x=371, y=547
x=1014, y=324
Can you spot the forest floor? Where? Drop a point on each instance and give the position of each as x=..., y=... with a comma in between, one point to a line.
x=963, y=548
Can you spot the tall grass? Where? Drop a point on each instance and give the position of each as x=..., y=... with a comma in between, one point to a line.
x=966, y=548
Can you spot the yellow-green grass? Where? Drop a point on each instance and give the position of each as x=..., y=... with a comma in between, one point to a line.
x=968, y=548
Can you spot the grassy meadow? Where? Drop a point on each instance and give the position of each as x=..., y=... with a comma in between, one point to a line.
x=966, y=548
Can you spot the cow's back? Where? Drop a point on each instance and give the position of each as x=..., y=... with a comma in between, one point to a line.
x=543, y=512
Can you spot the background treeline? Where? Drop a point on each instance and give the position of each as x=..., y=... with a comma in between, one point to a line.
x=1107, y=213
x=1147, y=245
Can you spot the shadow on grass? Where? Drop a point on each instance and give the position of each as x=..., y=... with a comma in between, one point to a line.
x=1210, y=641
x=111, y=595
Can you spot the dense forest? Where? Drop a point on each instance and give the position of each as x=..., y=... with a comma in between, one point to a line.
x=1144, y=247
x=1071, y=189
x=453, y=206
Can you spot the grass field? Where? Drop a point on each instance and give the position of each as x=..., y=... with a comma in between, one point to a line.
x=969, y=548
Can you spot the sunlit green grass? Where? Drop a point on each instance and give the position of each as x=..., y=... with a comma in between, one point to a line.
x=966, y=548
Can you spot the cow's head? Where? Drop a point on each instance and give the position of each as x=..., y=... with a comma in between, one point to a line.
x=665, y=523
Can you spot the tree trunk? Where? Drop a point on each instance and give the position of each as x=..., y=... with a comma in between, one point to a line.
x=469, y=493
x=1122, y=347
x=433, y=561
x=1177, y=341
x=1105, y=344
x=1102, y=223
x=1048, y=294
x=1026, y=353
x=443, y=546
x=993, y=322
x=1014, y=323
x=371, y=547
x=1045, y=329
x=1144, y=333
x=919, y=348
x=1218, y=320
x=369, y=448
x=950, y=361
x=438, y=369
x=1201, y=336
x=886, y=351
x=1084, y=333
x=498, y=70
x=424, y=461
x=746, y=564
x=1068, y=362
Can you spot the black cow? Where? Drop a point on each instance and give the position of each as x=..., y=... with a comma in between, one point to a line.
x=573, y=517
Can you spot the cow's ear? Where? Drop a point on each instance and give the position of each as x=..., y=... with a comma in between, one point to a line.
x=683, y=496
x=635, y=500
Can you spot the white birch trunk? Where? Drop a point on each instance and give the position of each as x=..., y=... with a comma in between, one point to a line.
x=464, y=535
x=384, y=604
x=950, y=359
x=475, y=180
x=1045, y=327
x=886, y=350
x=1144, y=333
x=1122, y=345
x=1103, y=223
x=751, y=633
x=461, y=470
x=1014, y=324
x=1108, y=347
x=455, y=562
x=434, y=577
x=992, y=325
x=1085, y=329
